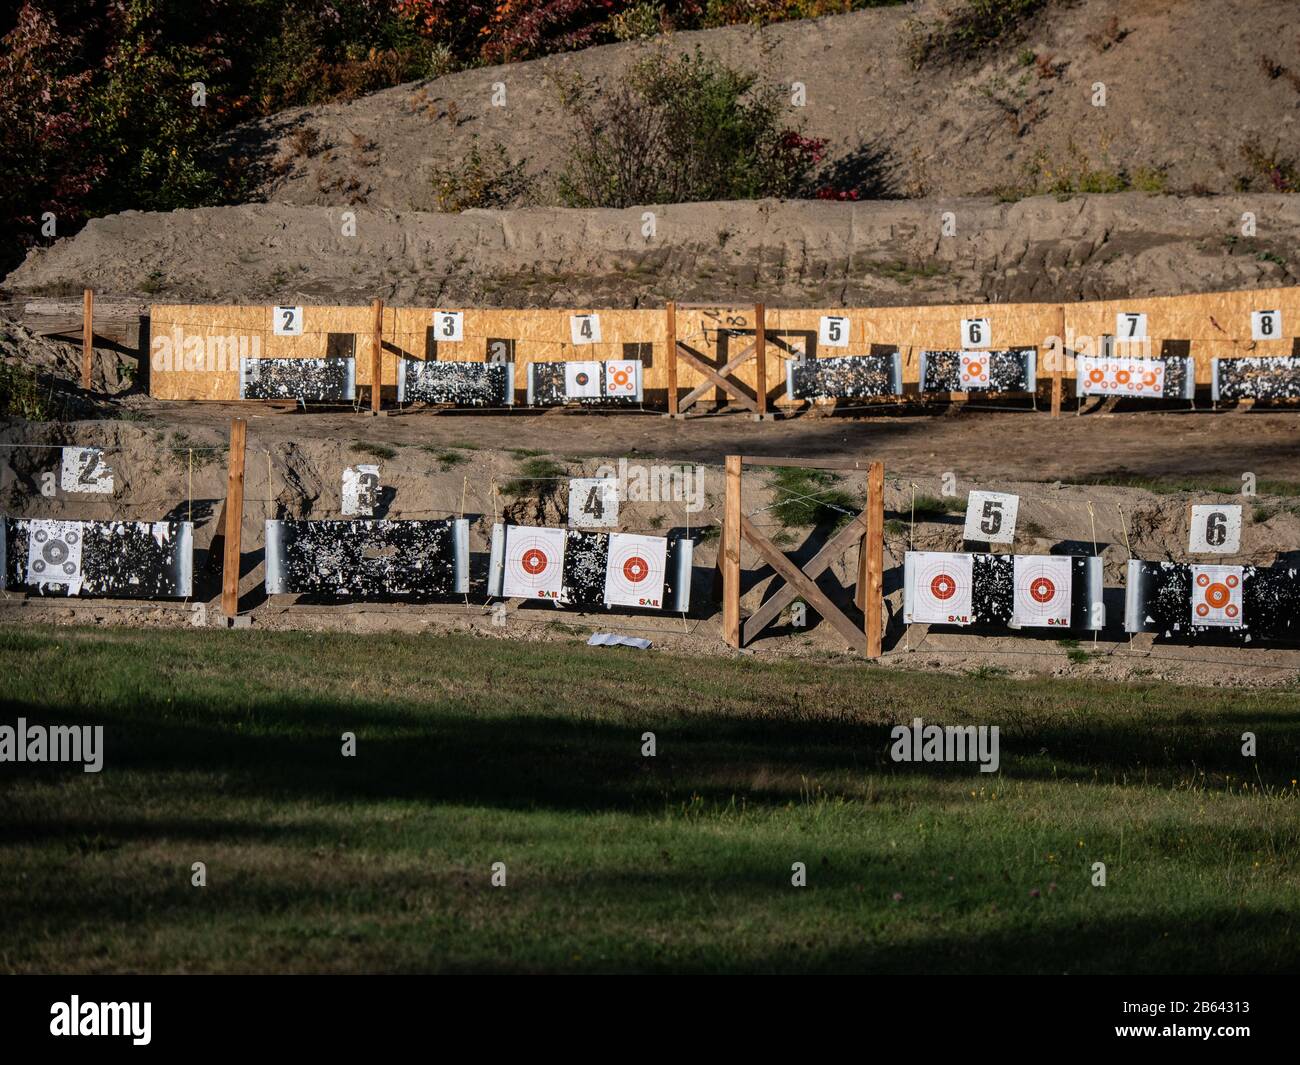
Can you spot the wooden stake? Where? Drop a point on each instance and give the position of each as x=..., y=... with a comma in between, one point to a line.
x=1058, y=367
x=730, y=548
x=671, y=363
x=760, y=353
x=234, y=510
x=87, y=335
x=873, y=549
x=377, y=358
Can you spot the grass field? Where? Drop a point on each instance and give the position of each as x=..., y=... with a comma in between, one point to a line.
x=225, y=747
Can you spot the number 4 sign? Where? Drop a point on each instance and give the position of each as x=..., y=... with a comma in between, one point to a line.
x=593, y=502
x=991, y=517
x=585, y=328
x=1215, y=529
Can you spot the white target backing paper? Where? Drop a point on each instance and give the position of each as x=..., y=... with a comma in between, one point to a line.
x=941, y=589
x=534, y=563
x=991, y=517
x=1120, y=377
x=54, y=553
x=974, y=370
x=84, y=470
x=584, y=328
x=620, y=377
x=1215, y=529
x=833, y=332
x=582, y=380
x=1216, y=596
x=1042, y=591
x=634, y=575
x=593, y=502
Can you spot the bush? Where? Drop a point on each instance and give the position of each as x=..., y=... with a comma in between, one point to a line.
x=484, y=178
x=676, y=130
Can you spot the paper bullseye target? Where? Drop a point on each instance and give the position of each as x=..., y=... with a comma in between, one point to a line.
x=1042, y=591
x=582, y=380
x=1216, y=596
x=620, y=377
x=635, y=572
x=534, y=563
x=1121, y=377
x=941, y=589
x=975, y=369
x=54, y=553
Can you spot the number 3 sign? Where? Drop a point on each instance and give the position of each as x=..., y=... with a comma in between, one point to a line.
x=1215, y=530
x=991, y=517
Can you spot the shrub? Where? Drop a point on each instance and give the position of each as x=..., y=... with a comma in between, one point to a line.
x=484, y=178
x=675, y=130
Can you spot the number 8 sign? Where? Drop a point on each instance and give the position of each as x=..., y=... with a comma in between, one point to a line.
x=1265, y=325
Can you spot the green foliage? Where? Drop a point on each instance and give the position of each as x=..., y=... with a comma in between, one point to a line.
x=535, y=474
x=483, y=178
x=929, y=507
x=807, y=498
x=967, y=29
x=378, y=451
x=681, y=129
x=21, y=395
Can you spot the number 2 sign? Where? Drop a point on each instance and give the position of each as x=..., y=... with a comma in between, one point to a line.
x=286, y=321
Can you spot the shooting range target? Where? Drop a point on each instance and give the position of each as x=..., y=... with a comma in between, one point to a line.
x=1042, y=591
x=635, y=572
x=941, y=589
x=534, y=566
x=360, y=490
x=582, y=380
x=84, y=470
x=1121, y=377
x=974, y=369
x=1216, y=596
x=620, y=377
x=54, y=553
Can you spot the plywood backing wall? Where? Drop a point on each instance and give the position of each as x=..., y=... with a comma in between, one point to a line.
x=196, y=348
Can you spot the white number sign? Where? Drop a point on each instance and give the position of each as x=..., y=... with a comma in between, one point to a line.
x=976, y=333
x=991, y=517
x=585, y=328
x=1216, y=529
x=1265, y=325
x=286, y=321
x=448, y=326
x=85, y=471
x=593, y=502
x=833, y=332
x=1130, y=326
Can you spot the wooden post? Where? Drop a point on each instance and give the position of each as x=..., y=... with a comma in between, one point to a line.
x=87, y=336
x=730, y=548
x=671, y=362
x=234, y=519
x=871, y=583
x=377, y=358
x=760, y=354
x=1058, y=366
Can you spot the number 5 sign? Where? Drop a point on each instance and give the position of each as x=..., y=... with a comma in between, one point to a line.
x=833, y=332
x=991, y=516
x=1215, y=530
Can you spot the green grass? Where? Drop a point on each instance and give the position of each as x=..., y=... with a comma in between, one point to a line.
x=534, y=475
x=927, y=508
x=224, y=747
x=378, y=451
x=447, y=457
x=807, y=498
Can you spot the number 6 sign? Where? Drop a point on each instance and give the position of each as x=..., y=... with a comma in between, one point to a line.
x=1215, y=529
x=976, y=333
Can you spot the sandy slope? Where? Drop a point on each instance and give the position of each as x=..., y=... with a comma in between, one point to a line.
x=1185, y=88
